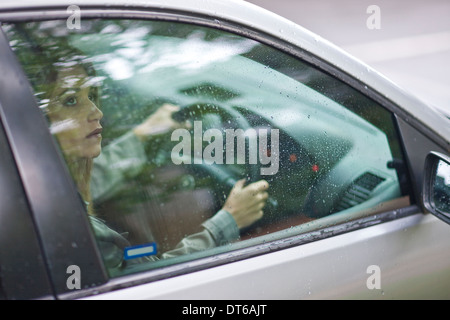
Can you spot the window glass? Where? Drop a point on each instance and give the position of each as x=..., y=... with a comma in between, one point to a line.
x=186, y=141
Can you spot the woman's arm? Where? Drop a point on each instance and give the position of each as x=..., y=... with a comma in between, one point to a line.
x=218, y=230
x=124, y=157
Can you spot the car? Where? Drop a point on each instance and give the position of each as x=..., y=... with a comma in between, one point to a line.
x=344, y=176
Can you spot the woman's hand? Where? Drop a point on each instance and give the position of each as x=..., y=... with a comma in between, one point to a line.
x=245, y=204
x=159, y=122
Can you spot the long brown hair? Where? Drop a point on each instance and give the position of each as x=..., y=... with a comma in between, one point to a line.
x=81, y=174
x=43, y=59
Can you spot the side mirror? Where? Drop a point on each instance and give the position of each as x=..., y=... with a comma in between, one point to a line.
x=436, y=187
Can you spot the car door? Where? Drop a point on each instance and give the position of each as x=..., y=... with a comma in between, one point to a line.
x=343, y=163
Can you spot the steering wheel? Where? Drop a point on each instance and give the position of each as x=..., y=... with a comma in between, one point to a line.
x=223, y=177
x=200, y=109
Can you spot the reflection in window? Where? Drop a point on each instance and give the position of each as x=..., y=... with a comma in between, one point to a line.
x=137, y=107
x=442, y=187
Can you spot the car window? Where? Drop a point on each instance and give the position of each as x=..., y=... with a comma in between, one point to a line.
x=185, y=141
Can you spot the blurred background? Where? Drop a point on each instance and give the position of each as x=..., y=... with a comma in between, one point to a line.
x=406, y=40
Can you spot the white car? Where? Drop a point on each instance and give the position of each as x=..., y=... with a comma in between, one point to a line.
x=357, y=205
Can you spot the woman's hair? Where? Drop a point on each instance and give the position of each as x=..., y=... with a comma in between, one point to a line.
x=43, y=57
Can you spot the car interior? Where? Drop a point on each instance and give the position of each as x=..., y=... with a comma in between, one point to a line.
x=336, y=149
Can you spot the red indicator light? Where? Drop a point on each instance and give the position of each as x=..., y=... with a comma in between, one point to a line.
x=315, y=168
x=292, y=158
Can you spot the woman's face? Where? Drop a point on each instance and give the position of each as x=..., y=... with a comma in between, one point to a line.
x=74, y=116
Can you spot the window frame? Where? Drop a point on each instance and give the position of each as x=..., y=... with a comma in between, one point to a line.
x=17, y=227
x=267, y=39
x=61, y=223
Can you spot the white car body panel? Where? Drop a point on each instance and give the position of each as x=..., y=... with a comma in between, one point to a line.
x=333, y=268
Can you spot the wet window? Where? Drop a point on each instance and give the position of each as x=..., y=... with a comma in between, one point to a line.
x=186, y=141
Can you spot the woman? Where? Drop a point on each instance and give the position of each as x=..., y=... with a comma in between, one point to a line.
x=72, y=110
